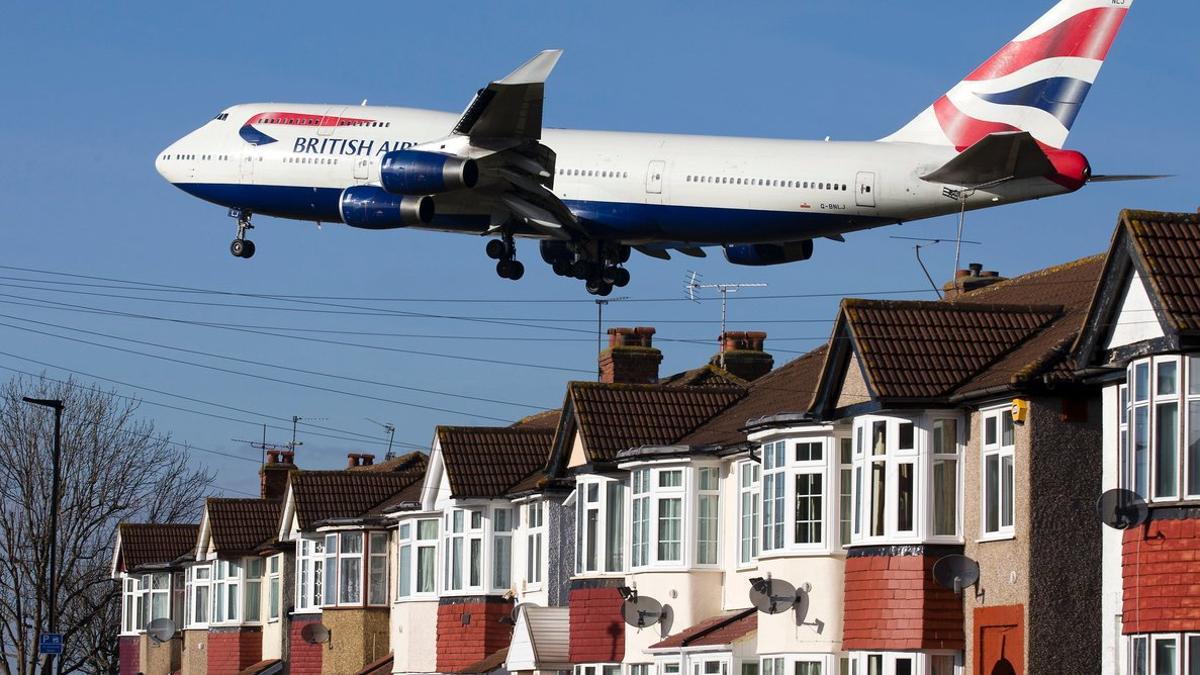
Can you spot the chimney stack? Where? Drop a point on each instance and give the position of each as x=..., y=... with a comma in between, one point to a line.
x=355, y=459
x=631, y=357
x=971, y=279
x=274, y=474
x=743, y=355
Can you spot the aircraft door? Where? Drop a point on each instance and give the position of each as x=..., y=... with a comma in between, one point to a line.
x=246, y=165
x=654, y=177
x=864, y=188
x=362, y=168
x=329, y=121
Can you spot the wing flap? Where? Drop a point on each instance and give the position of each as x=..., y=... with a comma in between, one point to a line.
x=994, y=159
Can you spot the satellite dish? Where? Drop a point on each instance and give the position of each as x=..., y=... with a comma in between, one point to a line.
x=161, y=630
x=314, y=633
x=641, y=611
x=956, y=572
x=772, y=596
x=1121, y=509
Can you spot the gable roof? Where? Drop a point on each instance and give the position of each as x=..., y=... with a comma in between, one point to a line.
x=723, y=629
x=146, y=544
x=241, y=525
x=610, y=418
x=707, y=375
x=1164, y=250
x=322, y=495
x=486, y=461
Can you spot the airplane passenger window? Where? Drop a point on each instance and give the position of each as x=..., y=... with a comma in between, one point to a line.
x=627, y=174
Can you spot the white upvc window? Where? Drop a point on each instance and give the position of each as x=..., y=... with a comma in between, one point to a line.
x=226, y=591
x=274, y=586
x=535, y=541
x=598, y=669
x=806, y=496
x=158, y=596
x=708, y=514
x=1164, y=654
x=711, y=665
x=464, y=546
x=845, y=488
x=253, y=574
x=599, y=525
x=903, y=663
x=640, y=669
x=329, y=585
x=774, y=485
x=667, y=522
x=199, y=595
x=808, y=492
x=640, y=518
x=1160, y=428
x=132, y=619
x=350, y=568
x=749, y=494
x=310, y=573
x=997, y=468
x=502, y=534
x=944, y=506
x=417, y=558
x=377, y=566
x=355, y=565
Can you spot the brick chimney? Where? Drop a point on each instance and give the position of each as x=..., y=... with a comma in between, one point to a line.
x=355, y=459
x=274, y=474
x=743, y=354
x=971, y=279
x=631, y=357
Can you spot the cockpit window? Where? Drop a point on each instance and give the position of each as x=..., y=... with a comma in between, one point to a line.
x=222, y=116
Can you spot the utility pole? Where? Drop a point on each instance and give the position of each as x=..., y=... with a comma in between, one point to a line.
x=52, y=586
x=724, y=289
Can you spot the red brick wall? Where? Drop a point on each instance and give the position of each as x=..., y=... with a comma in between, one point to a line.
x=892, y=603
x=597, y=629
x=999, y=637
x=231, y=650
x=1160, y=568
x=303, y=658
x=461, y=644
x=129, y=649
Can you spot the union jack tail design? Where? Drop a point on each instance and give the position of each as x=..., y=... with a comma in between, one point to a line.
x=1036, y=83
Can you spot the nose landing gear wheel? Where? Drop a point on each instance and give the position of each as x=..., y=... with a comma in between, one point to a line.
x=242, y=248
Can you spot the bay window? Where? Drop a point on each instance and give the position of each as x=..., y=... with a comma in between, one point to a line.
x=274, y=586
x=1160, y=428
x=348, y=561
x=640, y=520
x=1164, y=654
x=502, y=527
x=198, y=597
x=132, y=618
x=350, y=567
x=253, y=581
x=310, y=571
x=417, y=558
x=227, y=586
x=774, y=479
x=668, y=506
x=159, y=596
x=998, y=456
x=749, y=493
x=807, y=492
x=377, y=569
x=903, y=663
x=599, y=525
x=535, y=535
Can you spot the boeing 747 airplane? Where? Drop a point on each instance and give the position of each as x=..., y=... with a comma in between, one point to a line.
x=590, y=197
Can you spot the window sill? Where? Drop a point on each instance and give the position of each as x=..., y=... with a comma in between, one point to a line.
x=799, y=553
x=1002, y=536
x=426, y=597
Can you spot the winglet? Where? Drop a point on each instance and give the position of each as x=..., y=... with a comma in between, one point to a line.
x=534, y=70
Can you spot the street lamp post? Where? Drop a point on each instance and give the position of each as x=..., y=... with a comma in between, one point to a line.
x=52, y=586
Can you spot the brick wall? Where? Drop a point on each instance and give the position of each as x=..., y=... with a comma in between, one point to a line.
x=303, y=658
x=129, y=647
x=892, y=602
x=1160, y=568
x=597, y=629
x=469, y=629
x=230, y=650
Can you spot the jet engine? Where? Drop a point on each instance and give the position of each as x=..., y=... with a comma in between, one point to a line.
x=371, y=208
x=415, y=172
x=758, y=255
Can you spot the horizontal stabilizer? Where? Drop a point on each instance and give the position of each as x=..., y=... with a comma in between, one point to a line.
x=996, y=158
x=1121, y=179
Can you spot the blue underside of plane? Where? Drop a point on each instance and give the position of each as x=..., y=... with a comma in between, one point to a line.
x=615, y=220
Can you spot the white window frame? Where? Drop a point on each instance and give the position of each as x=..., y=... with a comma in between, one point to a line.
x=1143, y=476
x=465, y=530
x=922, y=661
x=227, y=593
x=749, y=477
x=346, y=582
x=1171, y=491
x=808, y=469
x=665, y=491
x=639, y=518
x=774, y=497
x=1190, y=388
x=376, y=594
x=535, y=543
x=605, y=497
x=159, y=591
x=131, y=605
x=788, y=456
x=310, y=571
x=1001, y=451
x=954, y=455
x=1187, y=645
x=252, y=578
x=845, y=489
x=418, y=534
x=503, y=525
x=193, y=582
x=274, y=587
x=597, y=669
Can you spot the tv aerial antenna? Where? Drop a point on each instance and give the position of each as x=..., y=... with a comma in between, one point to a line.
x=601, y=303
x=264, y=445
x=693, y=284
x=296, y=419
x=930, y=242
x=391, y=432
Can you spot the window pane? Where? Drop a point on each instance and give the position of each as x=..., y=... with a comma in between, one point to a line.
x=1167, y=382
x=904, y=665
x=502, y=563
x=1193, y=659
x=1165, y=653
x=201, y=615
x=377, y=580
x=878, y=495
x=670, y=521
x=941, y=665
x=1141, y=450
x=989, y=431
x=641, y=522
x=253, y=600
x=945, y=437
x=1193, y=458
x=476, y=520
x=808, y=508
x=709, y=478
x=351, y=573
x=809, y=452
x=907, y=436
x=1141, y=382
x=991, y=479
x=426, y=561
x=456, y=561
x=330, y=582
x=1006, y=491
x=845, y=505
x=1194, y=378
x=879, y=438
x=614, y=514
x=476, y=578
x=706, y=529
x=904, y=497
x=945, y=497
x=673, y=478
x=1006, y=428
x=593, y=540
x=1140, y=657
x=404, y=572
x=1166, y=455
x=858, y=499
x=352, y=542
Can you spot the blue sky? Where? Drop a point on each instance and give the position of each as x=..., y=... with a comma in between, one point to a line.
x=95, y=91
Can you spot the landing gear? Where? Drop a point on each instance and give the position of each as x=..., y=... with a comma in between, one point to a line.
x=596, y=263
x=504, y=252
x=241, y=247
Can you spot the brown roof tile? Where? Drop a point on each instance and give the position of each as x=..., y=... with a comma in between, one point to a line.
x=241, y=525
x=265, y=666
x=321, y=495
x=380, y=667
x=707, y=375
x=723, y=629
x=154, y=543
x=547, y=419
x=487, y=664
x=1168, y=245
x=789, y=388
x=616, y=417
x=487, y=461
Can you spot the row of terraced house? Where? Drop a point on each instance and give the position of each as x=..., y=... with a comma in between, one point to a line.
x=983, y=425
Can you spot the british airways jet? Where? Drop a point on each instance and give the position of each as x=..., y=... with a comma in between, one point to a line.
x=589, y=197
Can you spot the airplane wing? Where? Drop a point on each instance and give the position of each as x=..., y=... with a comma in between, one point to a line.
x=996, y=158
x=501, y=130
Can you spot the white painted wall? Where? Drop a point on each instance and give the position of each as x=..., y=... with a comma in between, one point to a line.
x=779, y=633
x=692, y=596
x=414, y=636
x=1136, y=320
x=1112, y=646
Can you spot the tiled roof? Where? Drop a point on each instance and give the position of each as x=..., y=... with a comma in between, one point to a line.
x=487, y=664
x=487, y=461
x=155, y=543
x=1168, y=245
x=913, y=350
x=321, y=495
x=380, y=667
x=707, y=375
x=547, y=419
x=723, y=629
x=241, y=525
x=532, y=482
x=616, y=417
x=266, y=667
x=789, y=388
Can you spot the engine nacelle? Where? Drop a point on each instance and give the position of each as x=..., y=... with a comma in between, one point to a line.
x=415, y=172
x=758, y=255
x=371, y=208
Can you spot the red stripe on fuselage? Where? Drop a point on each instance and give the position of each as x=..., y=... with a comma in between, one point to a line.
x=301, y=119
x=1086, y=35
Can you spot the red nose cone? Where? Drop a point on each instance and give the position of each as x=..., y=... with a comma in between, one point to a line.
x=1071, y=168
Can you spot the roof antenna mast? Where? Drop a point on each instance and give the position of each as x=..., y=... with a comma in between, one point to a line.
x=693, y=284
x=391, y=432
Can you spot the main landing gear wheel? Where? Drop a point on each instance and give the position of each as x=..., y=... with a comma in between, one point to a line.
x=241, y=247
x=504, y=251
x=510, y=269
x=599, y=287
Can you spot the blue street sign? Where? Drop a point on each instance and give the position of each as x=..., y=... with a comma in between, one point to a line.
x=50, y=643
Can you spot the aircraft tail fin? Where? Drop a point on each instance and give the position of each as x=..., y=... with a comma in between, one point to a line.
x=1036, y=83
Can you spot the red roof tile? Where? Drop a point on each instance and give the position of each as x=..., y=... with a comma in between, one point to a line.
x=491, y=662
x=723, y=629
x=241, y=525
x=321, y=495
x=487, y=461
x=1168, y=245
x=380, y=667
x=154, y=543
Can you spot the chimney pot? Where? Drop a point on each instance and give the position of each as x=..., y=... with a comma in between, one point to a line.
x=962, y=274
x=743, y=354
x=975, y=268
x=366, y=459
x=631, y=357
x=274, y=473
x=352, y=460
